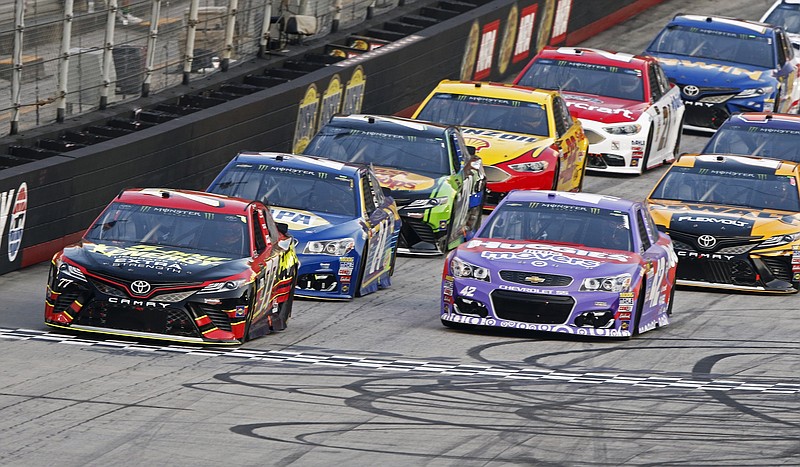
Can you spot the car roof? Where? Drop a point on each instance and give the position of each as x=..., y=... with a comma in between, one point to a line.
x=496, y=90
x=765, y=120
x=724, y=23
x=390, y=125
x=184, y=199
x=746, y=164
x=590, y=200
x=596, y=56
x=301, y=162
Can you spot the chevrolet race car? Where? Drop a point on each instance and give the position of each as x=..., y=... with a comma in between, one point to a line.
x=176, y=265
x=734, y=221
x=525, y=137
x=572, y=263
x=776, y=136
x=786, y=14
x=437, y=183
x=725, y=66
x=346, y=228
x=631, y=114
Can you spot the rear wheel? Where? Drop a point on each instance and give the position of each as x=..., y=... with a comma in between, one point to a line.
x=676, y=151
x=361, y=268
x=671, y=297
x=555, y=175
x=445, y=241
x=638, y=311
x=285, y=308
x=647, y=151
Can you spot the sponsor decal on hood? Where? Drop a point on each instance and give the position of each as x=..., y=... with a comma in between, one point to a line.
x=297, y=219
x=495, y=147
x=136, y=255
x=604, y=109
x=401, y=180
x=542, y=254
x=707, y=223
x=728, y=73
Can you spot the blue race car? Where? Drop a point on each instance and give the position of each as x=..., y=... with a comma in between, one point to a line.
x=776, y=136
x=725, y=66
x=346, y=226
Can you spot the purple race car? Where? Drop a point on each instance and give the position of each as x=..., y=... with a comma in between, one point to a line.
x=575, y=263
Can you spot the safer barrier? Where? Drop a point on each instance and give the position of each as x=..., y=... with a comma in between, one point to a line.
x=45, y=204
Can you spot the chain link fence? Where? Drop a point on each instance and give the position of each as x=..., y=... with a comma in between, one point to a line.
x=63, y=58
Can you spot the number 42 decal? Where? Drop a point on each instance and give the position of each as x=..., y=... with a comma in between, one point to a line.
x=467, y=291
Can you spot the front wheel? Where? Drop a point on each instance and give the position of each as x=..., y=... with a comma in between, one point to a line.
x=638, y=310
x=555, y=175
x=647, y=151
x=676, y=150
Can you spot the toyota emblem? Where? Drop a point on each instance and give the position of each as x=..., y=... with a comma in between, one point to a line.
x=691, y=90
x=140, y=287
x=706, y=241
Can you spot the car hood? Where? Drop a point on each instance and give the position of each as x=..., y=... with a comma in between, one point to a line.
x=577, y=261
x=713, y=73
x=155, y=263
x=717, y=220
x=495, y=147
x=405, y=184
x=304, y=225
x=604, y=109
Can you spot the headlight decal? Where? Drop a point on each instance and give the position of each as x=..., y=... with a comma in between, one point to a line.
x=619, y=283
x=463, y=269
x=337, y=247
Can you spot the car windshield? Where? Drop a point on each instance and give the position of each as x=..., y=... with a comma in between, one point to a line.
x=787, y=16
x=556, y=222
x=757, y=189
x=487, y=112
x=286, y=187
x=749, y=140
x=167, y=227
x=600, y=80
x=691, y=41
x=412, y=153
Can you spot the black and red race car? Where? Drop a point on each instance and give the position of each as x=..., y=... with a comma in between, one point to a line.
x=176, y=265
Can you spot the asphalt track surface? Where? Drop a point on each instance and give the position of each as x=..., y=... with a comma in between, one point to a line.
x=379, y=381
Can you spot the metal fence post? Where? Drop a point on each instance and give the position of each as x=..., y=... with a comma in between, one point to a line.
x=233, y=6
x=63, y=65
x=191, y=30
x=16, y=75
x=108, y=50
x=337, y=15
x=155, y=16
x=265, y=27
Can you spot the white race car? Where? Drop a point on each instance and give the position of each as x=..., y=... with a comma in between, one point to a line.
x=785, y=13
x=630, y=112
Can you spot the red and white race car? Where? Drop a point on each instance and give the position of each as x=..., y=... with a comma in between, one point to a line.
x=630, y=112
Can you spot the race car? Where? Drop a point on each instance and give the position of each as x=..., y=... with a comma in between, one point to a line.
x=346, y=228
x=437, y=183
x=762, y=134
x=786, y=14
x=176, y=265
x=525, y=137
x=725, y=66
x=631, y=114
x=560, y=262
x=734, y=221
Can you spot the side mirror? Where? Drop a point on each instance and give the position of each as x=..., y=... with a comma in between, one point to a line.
x=386, y=191
x=472, y=150
x=287, y=243
x=283, y=227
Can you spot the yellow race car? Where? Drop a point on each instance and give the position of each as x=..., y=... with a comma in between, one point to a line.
x=734, y=221
x=525, y=137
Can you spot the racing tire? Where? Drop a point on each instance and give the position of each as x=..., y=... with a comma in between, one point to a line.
x=583, y=177
x=555, y=175
x=361, y=268
x=671, y=298
x=394, y=258
x=638, y=310
x=676, y=150
x=646, y=158
x=285, y=308
x=449, y=232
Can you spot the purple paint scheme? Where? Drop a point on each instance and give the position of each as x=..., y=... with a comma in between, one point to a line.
x=574, y=263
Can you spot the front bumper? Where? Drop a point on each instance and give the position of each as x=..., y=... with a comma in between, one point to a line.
x=742, y=272
x=557, y=310
x=504, y=180
x=615, y=153
x=327, y=277
x=706, y=114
